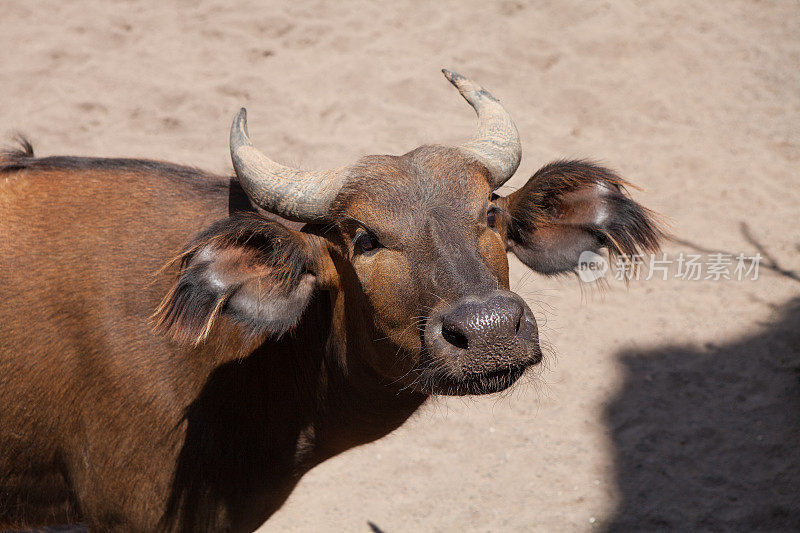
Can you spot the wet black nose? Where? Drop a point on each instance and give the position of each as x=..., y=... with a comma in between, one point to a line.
x=480, y=344
x=493, y=320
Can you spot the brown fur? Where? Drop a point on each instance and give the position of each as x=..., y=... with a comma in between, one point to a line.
x=285, y=344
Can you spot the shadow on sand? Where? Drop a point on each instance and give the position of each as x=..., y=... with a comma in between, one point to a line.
x=709, y=439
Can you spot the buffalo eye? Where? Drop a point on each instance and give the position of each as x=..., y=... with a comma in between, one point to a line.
x=491, y=217
x=365, y=242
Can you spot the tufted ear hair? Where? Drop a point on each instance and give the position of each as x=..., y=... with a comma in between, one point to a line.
x=568, y=207
x=248, y=270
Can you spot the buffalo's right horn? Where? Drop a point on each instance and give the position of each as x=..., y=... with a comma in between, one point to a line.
x=294, y=194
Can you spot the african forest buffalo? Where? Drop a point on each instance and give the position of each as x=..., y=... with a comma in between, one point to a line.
x=299, y=314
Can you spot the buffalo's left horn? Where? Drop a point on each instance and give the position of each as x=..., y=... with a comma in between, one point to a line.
x=496, y=144
x=299, y=195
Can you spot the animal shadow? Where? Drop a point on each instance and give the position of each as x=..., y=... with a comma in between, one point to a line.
x=706, y=439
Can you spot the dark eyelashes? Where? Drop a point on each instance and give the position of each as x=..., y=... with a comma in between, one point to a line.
x=491, y=217
x=365, y=242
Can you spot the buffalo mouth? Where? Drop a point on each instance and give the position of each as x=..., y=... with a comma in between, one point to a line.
x=442, y=382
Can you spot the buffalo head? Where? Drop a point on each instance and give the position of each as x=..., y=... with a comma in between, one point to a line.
x=410, y=250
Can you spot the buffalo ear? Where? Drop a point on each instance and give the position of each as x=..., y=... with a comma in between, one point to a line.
x=246, y=269
x=569, y=207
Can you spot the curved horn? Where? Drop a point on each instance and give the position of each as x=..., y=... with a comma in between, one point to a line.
x=496, y=144
x=300, y=195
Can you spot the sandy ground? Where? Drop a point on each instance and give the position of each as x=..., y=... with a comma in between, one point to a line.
x=668, y=405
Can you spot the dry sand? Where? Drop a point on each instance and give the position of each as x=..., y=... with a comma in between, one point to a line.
x=669, y=405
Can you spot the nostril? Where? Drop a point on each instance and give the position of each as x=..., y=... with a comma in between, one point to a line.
x=519, y=325
x=454, y=337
